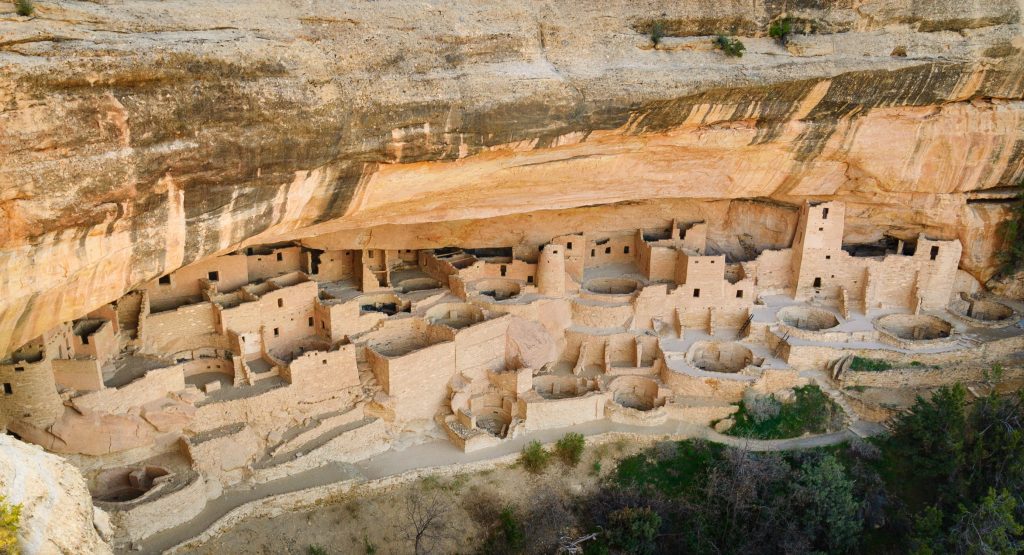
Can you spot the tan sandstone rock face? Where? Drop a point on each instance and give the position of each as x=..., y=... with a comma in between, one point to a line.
x=140, y=137
x=57, y=514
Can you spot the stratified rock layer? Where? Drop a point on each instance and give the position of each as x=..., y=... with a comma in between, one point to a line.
x=138, y=137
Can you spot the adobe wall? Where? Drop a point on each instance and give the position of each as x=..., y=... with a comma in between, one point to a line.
x=809, y=357
x=543, y=414
x=657, y=263
x=700, y=277
x=336, y=369
x=33, y=394
x=726, y=389
x=128, y=308
x=184, y=282
x=516, y=269
x=155, y=384
x=334, y=265
x=225, y=454
x=610, y=249
x=287, y=315
x=107, y=312
x=189, y=327
x=278, y=261
x=481, y=347
x=575, y=251
x=772, y=272
x=78, y=374
x=100, y=344
x=418, y=381
x=346, y=319
x=597, y=315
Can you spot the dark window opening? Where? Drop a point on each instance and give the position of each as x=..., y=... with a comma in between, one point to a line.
x=817, y=282
x=214, y=276
x=248, y=251
x=824, y=213
x=625, y=250
x=325, y=361
x=371, y=254
x=828, y=257
x=569, y=245
x=821, y=229
x=607, y=250
x=935, y=253
x=504, y=270
x=310, y=321
x=85, y=340
x=739, y=294
x=8, y=390
x=277, y=332
x=593, y=253
x=19, y=368
x=280, y=303
x=280, y=257
x=696, y=293
x=165, y=280
x=529, y=279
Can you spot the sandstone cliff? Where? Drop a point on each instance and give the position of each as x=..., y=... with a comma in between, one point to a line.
x=57, y=514
x=136, y=137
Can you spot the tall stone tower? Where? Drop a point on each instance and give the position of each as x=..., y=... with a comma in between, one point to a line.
x=551, y=270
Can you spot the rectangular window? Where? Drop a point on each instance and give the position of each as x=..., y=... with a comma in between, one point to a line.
x=739, y=294
x=280, y=303
x=529, y=279
x=828, y=257
x=310, y=321
x=325, y=361
x=214, y=276
x=8, y=390
x=280, y=257
x=165, y=280
x=821, y=229
x=371, y=254
x=696, y=293
x=935, y=252
x=277, y=332
x=19, y=368
x=569, y=245
x=817, y=282
x=625, y=250
x=504, y=269
x=592, y=253
x=85, y=340
x=824, y=213
x=607, y=250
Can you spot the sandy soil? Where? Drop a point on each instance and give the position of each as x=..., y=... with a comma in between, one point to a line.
x=471, y=504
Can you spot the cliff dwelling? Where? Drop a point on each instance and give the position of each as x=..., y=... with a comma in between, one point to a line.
x=268, y=361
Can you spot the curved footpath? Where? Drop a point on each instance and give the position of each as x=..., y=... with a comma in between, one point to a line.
x=436, y=456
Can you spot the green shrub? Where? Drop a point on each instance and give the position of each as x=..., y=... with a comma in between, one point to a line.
x=511, y=530
x=595, y=469
x=368, y=546
x=731, y=46
x=657, y=33
x=870, y=364
x=812, y=411
x=633, y=530
x=535, y=457
x=24, y=7
x=570, y=448
x=781, y=29
x=316, y=550
x=9, y=517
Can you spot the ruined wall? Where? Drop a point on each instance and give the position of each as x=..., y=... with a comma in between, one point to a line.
x=28, y=393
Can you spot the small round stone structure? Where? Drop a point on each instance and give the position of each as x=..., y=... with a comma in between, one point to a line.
x=118, y=485
x=915, y=327
x=559, y=387
x=497, y=288
x=720, y=356
x=612, y=286
x=455, y=315
x=635, y=392
x=494, y=420
x=418, y=284
x=807, y=318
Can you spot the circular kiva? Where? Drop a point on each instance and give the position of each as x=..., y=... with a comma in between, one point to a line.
x=914, y=327
x=807, y=318
x=720, y=356
x=455, y=315
x=499, y=289
x=612, y=286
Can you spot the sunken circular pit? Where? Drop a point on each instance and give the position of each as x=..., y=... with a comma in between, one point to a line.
x=455, y=315
x=612, y=286
x=498, y=289
x=119, y=485
x=807, y=318
x=720, y=356
x=495, y=421
x=561, y=387
x=635, y=392
x=417, y=284
x=983, y=311
x=914, y=327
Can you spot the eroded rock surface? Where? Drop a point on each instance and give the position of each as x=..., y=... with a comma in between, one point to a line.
x=138, y=137
x=57, y=514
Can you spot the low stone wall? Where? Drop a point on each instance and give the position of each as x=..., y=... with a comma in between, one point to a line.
x=922, y=376
x=816, y=357
x=541, y=414
x=154, y=385
x=167, y=511
x=353, y=445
